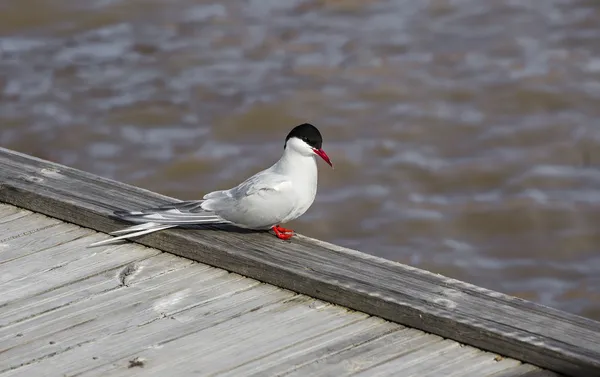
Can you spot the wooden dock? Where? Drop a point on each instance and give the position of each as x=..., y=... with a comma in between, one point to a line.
x=226, y=302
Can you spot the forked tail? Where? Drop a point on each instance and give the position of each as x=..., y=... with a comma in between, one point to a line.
x=160, y=218
x=133, y=231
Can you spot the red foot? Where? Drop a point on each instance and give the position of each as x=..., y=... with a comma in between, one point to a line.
x=282, y=233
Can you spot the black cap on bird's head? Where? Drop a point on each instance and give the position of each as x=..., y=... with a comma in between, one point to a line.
x=307, y=133
x=310, y=135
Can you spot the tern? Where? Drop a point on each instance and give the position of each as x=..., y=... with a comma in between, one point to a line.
x=276, y=195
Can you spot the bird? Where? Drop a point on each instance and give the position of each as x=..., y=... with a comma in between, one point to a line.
x=264, y=201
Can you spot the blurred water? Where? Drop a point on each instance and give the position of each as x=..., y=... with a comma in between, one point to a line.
x=466, y=134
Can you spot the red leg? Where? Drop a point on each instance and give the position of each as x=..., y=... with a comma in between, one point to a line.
x=284, y=230
x=282, y=233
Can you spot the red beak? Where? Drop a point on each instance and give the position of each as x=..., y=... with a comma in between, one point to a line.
x=321, y=153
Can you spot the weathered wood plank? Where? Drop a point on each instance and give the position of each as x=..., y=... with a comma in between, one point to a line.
x=483, y=364
x=525, y=370
x=364, y=356
x=40, y=239
x=315, y=350
x=234, y=343
x=74, y=290
x=458, y=362
x=242, y=339
x=61, y=264
x=453, y=309
x=101, y=354
x=10, y=213
x=7, y=209
x=106, y=313
x=23, y=226
x=418, y=360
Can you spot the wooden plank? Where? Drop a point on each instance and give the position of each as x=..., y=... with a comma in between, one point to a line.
x=484, y=364
x=247, y=338
x=365, y=356
x=7, y=209
x=105, y=313
x=417, y=361
x=525, y=370
x=463, y=361
x=241, y=339
x=75, y=291
x=24, y=226
x=489, y=320
x=41, y=239
x=114, y=312
x=315, y=350
x=101, y=354
x=59, y=265
x=10, y=213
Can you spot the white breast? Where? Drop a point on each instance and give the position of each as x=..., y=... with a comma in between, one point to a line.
x=304, y=188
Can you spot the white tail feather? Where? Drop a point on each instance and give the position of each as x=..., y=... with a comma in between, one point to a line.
x=135, y=228
x=134, y=231
x=153, y=220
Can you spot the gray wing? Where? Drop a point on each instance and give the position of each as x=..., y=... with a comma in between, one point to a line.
x=264, y=184
x=261, y=201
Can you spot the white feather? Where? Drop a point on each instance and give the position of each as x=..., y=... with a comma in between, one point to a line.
x=155, y=228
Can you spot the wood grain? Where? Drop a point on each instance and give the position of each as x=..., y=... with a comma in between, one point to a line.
x=83, y=311
x=54, y=298
x=466, y=313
